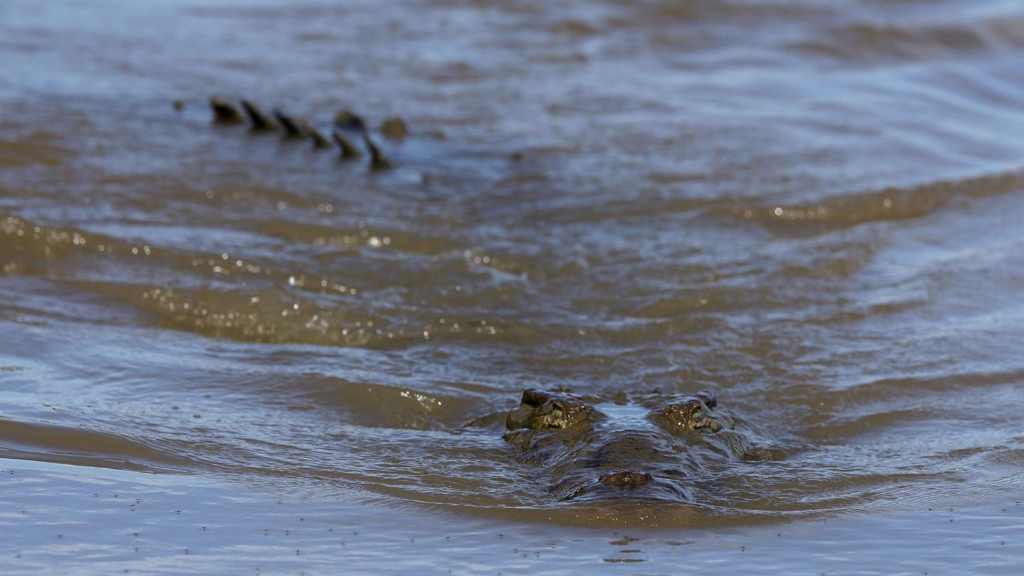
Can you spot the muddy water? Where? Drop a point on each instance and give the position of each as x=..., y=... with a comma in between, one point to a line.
x=811, y=208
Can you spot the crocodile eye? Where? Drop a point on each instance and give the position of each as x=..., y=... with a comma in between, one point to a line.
x=697, y=415
x=556, y=413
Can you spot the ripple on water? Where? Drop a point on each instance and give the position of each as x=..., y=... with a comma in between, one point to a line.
x=811, y=210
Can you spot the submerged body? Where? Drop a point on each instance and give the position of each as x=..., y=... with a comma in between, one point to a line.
x=647, y=447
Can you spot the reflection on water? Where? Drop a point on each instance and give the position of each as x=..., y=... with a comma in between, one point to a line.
x=810, y=208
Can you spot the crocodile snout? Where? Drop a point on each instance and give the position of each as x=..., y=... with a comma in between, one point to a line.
x=626, y=479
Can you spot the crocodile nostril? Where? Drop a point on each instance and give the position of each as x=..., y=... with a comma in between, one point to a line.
x=626, y=479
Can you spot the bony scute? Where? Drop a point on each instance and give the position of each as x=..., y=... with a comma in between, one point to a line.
x=348, y=129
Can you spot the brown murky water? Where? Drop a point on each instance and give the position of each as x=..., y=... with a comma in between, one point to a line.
x=270, y=355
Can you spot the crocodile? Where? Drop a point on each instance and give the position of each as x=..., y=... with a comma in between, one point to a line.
x=645, y=447
x=347, y=125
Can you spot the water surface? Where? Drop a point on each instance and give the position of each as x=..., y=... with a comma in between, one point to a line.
x=811, y=208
